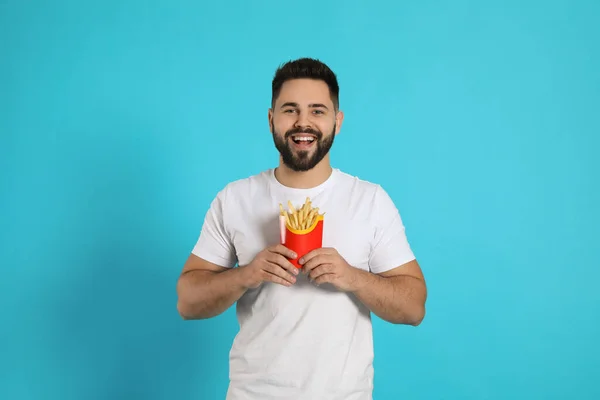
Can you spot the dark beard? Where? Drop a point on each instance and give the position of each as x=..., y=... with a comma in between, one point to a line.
x=301, y=161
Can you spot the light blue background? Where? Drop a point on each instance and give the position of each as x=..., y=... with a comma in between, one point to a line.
x=120, y=121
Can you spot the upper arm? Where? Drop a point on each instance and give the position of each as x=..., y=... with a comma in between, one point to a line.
x=195, y=263
x=188, y=283
x=214, y=248
x=390, y=250
x=411, y=268
x=416, y=288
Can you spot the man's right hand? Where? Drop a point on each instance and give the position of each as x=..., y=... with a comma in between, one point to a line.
x=270, y=265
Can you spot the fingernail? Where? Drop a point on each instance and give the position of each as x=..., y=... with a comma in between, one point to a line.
x=295, y=271
x=301, y=261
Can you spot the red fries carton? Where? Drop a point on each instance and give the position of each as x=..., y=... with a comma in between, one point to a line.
x=301, y=229
x=304, y=241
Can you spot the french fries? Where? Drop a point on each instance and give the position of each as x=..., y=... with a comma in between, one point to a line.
x=300, y=218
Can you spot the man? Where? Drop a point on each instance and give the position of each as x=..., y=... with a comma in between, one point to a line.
x=303, y=334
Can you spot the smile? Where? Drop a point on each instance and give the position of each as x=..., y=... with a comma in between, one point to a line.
x=303, y=139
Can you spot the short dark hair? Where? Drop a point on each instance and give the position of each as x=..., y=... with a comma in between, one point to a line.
x=306, y=68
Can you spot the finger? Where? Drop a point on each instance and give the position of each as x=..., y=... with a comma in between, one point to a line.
x=322, y=269
x=315, y=262
x=325, y=278
x=314, y=253
x=309, y=256
x=283, y=262
x=276, y=270
x=269, y=277
x=284, y=251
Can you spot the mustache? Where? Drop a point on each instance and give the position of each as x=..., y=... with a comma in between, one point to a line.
x=309, y=131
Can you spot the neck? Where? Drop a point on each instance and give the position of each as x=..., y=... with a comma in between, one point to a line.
x=303, y=179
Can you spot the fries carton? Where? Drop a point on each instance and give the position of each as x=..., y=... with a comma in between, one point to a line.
x=304, y=241
x=301, y=229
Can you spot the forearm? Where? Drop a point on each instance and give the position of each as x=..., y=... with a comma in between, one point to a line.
x=205, y=294
x=397, y=299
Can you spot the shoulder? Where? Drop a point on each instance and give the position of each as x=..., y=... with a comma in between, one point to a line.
x=368, y=198
x=360, y=186
x=244, y=187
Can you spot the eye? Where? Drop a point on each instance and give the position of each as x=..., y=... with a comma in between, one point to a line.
x=319, y=112
x=289, y=110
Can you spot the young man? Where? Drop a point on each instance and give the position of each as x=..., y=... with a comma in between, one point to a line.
x=304, y=334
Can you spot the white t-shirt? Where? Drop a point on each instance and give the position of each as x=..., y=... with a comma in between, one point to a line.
x=304, y=341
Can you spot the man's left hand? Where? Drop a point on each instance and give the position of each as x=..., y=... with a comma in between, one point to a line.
x=326, y=265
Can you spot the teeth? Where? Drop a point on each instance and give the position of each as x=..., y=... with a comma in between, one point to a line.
x=304, y=138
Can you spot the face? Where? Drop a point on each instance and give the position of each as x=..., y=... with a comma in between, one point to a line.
x=304, y=123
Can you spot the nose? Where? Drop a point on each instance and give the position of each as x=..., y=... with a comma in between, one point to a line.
x=302, y=121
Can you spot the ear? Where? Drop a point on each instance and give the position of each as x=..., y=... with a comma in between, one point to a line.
x=339, y=119
x=270, y=116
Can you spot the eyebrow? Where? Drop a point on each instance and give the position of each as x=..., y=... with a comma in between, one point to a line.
x=313, y=105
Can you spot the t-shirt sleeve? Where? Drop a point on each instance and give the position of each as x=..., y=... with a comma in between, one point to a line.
x=215, y=244
x=390, y=247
